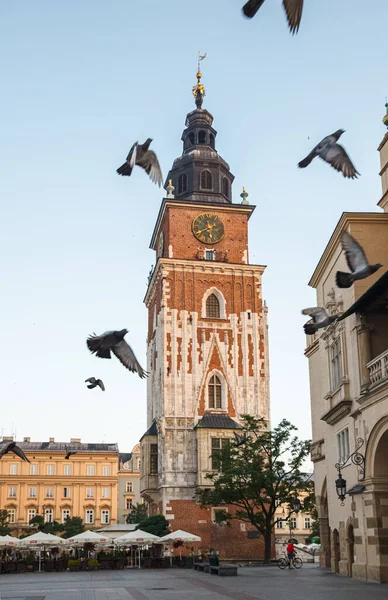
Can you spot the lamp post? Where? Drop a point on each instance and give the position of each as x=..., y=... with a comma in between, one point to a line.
x=340, y=486
x=357, y=459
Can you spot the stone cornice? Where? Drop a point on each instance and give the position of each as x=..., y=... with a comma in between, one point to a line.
x=338, y=411
x=382, y=143
x=167, y=202
x=312, y=348
x=334, y=244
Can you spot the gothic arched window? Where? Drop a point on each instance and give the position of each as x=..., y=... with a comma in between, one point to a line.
x=182, y=183
x=212, y=307
x=202, y=137
x=214, y=392
x=206, y=180
x=225, y=187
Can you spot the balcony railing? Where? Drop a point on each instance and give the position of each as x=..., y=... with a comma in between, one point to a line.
x=378, y=368
x=212, y=255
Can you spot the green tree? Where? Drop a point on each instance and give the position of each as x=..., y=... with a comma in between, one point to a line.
x=138, y=513
x=310, y=506
x=46, y=527
x=73, y=526
x=157, y=524
x=4, y=522
x=257, y=476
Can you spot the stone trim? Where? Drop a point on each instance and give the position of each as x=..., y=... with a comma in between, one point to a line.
x=337, y=413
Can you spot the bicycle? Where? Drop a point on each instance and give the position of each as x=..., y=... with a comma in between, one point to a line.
x=284, y=562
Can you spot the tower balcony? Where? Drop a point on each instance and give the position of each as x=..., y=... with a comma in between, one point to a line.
x=212, y=255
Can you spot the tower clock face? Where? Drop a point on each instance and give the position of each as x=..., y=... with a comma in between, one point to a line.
x=208, y=228
x=160, y=244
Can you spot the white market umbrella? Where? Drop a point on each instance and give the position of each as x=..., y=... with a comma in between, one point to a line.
x=89, y=537
x=40, y=539
x=180, y=536
x=136, y=537
x=8, y=540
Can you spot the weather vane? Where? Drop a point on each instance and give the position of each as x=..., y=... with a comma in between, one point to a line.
x=198, y=89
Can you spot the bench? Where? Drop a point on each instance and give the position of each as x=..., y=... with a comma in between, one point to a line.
x=201, y=566
x=223, y=570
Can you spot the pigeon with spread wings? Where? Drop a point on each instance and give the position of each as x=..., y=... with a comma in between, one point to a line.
x=140, y=155
x=113, y=341
x=293, y=10
x=94, y=383
x=357, y=262
x=240, y=439
x=12, y=447
x=69, y=453
x=320, y=318
x=332, y=153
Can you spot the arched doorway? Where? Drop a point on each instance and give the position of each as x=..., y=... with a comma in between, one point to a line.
x=324, y=529
x=335, y=551
x=380, y=475
x=350, y=549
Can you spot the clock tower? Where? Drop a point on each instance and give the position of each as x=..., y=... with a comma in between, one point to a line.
x=207, y=344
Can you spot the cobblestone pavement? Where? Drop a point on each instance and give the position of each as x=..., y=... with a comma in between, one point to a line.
x=252, y=583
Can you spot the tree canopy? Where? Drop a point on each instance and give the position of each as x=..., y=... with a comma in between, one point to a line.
x=73, y=526
x=4, y=522
x=157, y=524
x=257, y=476
x=138, y=513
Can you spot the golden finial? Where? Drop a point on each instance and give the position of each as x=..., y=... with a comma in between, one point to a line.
x=199, y=89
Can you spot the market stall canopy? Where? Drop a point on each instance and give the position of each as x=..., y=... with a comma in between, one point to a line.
x=137, y=537
x=89, y=537
x=43, y=539
x=8, y=540
x=180, y=536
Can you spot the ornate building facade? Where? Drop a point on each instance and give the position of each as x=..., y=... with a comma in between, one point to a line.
x=128, y=483
x=207, y=344
x=348, y=364
x=83, y=486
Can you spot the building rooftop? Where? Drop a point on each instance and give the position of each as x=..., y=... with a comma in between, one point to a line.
x=211, y=421
x=53, y=446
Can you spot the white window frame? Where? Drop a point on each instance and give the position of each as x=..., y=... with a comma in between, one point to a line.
x=13, y=469
x=12, y=491
x=11, y=515
x=343, y=445
x=279, y=524
x=66, y=492
x=221, y=299
x=209, y=255
x=67, y=470
x=90, y=492
x=105, y=516
x=91, y=470
x=106, y=470
x=307, y=523
x=33, y=469
x=31, y=514
x=336, y=364
x=128, y=501
x=223, y=390
x=105, y=492
x=89, y=516
x=48, y=515
x=49, y=493
x=293, y=522
x=65, y=513
x=129, y=487
x=32, y=492
x=50, y=469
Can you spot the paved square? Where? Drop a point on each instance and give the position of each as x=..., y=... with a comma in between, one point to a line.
x=252, y=583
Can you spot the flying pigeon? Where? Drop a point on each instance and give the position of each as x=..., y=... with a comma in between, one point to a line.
x=141, y=156
x=357, y=262
x=103, y=344
x=94, y=383
x=293, y=10
x=240, y=439
x=320, y=319
x=12, y=447
x=332, y=153
x=69, y=453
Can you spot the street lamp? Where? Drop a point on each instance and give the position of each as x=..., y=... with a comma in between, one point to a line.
x=340, y=486
x=357, y=459
x=295, y=503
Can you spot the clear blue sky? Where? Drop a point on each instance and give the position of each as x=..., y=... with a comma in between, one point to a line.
x=81, y=81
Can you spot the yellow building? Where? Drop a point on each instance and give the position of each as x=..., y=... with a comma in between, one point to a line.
x=83, y=486
x=128, y=483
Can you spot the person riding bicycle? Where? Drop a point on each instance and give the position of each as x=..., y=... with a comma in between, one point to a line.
x=291, y=554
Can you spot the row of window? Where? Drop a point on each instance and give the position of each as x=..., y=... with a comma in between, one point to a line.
x=206, y=183
x=291, y=524
x=201, y=138
x=66, y=492
x=49, y=515
x=67, y=470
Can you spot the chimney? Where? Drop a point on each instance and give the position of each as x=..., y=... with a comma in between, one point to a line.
x=26, y=439
x=7, y=438
x=75, y=440
x=51, y=440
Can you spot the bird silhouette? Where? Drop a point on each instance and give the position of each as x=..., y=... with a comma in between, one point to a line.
x=140, y=155
x=320, y=318
x=113, y=341
x=356, y=261
x=293, y=8
x=69, y=453
x=94, y=383
x=12, y=447
x=332, y=153
x=240, y=439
